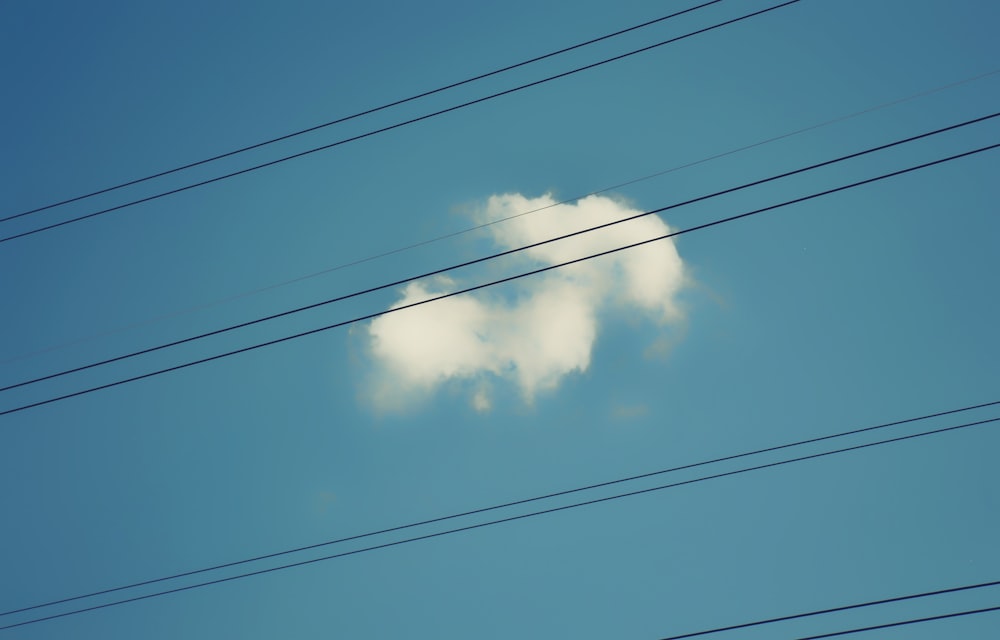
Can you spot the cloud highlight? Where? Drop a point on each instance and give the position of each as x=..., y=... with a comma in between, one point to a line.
x=535, y=333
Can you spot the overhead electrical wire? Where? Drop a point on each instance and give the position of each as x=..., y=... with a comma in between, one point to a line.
x=491, y=283
x=393, y=126
x=500, y=254
x=391, y=252
x=505, y=505
x=502, y=280
x=360, y=114
x=901, y=623
x=849, y=607
x=490, y=523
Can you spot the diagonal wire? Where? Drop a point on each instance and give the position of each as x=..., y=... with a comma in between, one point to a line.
x=490, y=523
x=359, y=114
x=391, y=252
x=393, y=126
x=902, y=623
x=849, y=607
x=506, y=505
x=493, y=256
x=501, y=280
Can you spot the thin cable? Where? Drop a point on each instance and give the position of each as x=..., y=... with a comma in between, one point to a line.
x=505, y=505
x=360, y=113
x=496, y=282
x=395, y=126
x=849, y=607
x=258, y=290
x=902, y=623
x=499, y=521
x=494, y=255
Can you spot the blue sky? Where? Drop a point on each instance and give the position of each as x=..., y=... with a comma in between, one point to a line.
x=867, y=306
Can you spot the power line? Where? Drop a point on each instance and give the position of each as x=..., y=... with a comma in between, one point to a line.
x=501, y=280
x=394, y=126
x=514, y=503
x=359, y=114
x=849, y=607
x=631, y=181
x=481, y=525
x=902, y=623
x=496, y=255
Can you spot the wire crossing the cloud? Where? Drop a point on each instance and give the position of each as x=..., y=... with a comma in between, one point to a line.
x=494, y=256
x=398, y=250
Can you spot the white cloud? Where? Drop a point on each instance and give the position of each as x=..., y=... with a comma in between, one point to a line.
x=544, y=331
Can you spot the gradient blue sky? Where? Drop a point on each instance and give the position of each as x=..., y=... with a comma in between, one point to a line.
x=864, y=307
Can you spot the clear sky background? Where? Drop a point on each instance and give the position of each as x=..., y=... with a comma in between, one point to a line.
x=867, y=306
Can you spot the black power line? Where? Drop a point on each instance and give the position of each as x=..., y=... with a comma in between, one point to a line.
x=514, y=503
x=394, y=126
x=477, y=227
x=359, y=114
x=503, y=280
x=489, y=523
x=494, y=256
x=902, y=623
x=497, y=255
x=849, y=607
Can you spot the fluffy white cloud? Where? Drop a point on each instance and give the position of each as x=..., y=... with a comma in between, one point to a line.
x=547, y=328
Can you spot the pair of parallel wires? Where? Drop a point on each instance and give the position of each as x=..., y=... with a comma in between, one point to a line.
x=467, y=230
x=861, y=605
x=546, y=512
x=672, y=234
x=374, y=132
